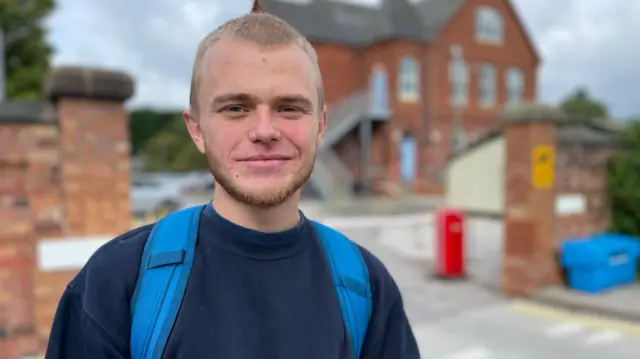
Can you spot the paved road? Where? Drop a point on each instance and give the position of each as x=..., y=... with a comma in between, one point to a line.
x=464, y=320
x=503, y=331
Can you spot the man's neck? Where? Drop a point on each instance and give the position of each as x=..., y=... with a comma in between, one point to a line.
x=266, y=219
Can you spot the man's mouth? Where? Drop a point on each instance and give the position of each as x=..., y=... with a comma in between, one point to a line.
x=265, y=158
x=262, y=163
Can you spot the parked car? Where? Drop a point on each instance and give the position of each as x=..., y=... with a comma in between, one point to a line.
x=154, y=195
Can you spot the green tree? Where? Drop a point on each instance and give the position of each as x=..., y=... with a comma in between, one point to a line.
x=172, y=149
x=146, y=123
x=26, y=52
x=581, y=105
x=624, y=184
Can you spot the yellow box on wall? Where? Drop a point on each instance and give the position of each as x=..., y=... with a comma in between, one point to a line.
x=543, y=163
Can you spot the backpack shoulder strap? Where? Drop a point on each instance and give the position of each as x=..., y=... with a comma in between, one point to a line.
x=162, y=280
x=351, y=283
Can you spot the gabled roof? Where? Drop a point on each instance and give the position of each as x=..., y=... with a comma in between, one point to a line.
x=435, y=14
x=354, y=25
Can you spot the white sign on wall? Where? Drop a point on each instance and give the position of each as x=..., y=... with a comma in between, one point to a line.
x=67, y=253
x=570, y=204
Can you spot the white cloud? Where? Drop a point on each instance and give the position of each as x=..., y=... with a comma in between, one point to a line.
x=587, y=43
x=582, y=42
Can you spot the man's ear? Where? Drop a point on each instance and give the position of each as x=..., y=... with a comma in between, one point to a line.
x=193, y=127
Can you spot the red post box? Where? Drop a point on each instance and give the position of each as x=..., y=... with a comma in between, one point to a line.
x=450, y=248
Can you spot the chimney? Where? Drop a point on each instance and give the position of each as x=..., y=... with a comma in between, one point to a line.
x=257, y=7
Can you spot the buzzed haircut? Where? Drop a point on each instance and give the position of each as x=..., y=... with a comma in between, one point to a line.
x=263, y=29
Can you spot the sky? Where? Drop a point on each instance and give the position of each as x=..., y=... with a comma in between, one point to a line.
x=583, y=43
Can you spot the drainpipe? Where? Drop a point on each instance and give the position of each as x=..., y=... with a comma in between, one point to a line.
x=425, y=94
x=366, y=132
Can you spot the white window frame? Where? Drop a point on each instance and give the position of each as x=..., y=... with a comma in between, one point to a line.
x=489, y=25
x=487, y=89
x=459, y=82
x=409, y=79
x=514, y=84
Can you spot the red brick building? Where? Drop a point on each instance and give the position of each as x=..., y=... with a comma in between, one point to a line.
x=401, y=76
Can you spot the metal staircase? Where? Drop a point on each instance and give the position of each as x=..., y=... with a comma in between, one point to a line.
x=331, y=178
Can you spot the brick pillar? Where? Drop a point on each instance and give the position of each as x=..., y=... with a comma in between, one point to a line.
x=95, y=148
x=92, y=177
x=529, y=260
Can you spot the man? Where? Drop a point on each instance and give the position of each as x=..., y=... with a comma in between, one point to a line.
x=260, y=284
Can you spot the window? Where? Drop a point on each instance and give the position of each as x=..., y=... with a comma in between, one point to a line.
x=379, y=90
x=514, y=82
x=409, y=79
x=487, y=84
x=458, y=77
x=488, y=25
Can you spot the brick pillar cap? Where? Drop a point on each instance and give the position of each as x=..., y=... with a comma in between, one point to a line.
x=532, y=112
x=81, y=82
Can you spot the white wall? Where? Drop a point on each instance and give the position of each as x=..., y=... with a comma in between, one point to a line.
x=475, y=180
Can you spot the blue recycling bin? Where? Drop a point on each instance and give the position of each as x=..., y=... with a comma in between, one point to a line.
x=601, y=262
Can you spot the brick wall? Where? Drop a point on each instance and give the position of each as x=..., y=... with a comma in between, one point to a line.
x=573, y=204
x=341, y=72
x=16, y=269
x=582, y=170
x=64, y=171
x=30, y=206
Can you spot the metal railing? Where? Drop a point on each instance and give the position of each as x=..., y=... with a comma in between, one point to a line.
x=344, y=117
x=322, y=180
x=331, y=177
x=341, y=174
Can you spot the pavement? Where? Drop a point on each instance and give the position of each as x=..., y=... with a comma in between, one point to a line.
x=412, y=236
x=526, y=331
x=467, y=319
x=621, y=302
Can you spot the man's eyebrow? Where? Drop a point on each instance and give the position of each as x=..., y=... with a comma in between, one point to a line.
x=299, y=99
x=232, y=97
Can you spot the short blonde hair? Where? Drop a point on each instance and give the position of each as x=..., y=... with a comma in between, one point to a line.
x=262, y=29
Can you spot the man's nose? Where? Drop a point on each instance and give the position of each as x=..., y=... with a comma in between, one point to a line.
x=264, y=129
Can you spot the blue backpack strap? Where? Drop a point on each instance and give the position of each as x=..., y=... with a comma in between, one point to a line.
x=162, y=280
x=351, y=282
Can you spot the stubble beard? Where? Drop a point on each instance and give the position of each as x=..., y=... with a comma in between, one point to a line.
x=254, y=198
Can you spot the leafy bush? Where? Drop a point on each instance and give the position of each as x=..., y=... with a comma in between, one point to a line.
x=624, y=185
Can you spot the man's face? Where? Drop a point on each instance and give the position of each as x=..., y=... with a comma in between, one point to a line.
x=258, y=121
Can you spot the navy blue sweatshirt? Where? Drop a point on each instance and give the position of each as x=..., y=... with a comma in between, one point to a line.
x=251, y=295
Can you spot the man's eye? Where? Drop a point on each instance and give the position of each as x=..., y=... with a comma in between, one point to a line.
x=235, y=109
x=288, y=109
